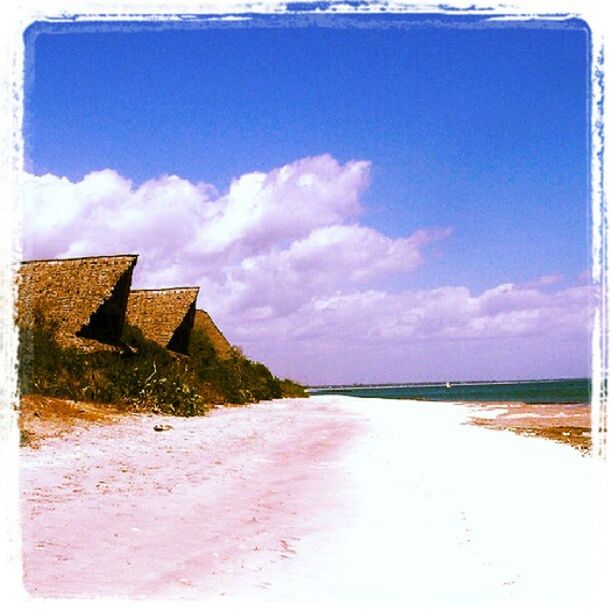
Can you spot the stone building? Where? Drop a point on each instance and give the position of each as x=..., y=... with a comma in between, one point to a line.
x=204, y=322
x=82, y=300
x=165, y=316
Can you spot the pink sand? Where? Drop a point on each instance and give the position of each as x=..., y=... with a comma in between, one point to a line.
x=334, y=499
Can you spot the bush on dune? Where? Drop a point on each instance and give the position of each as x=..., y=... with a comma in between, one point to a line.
x=237, y=379
x=146, y=376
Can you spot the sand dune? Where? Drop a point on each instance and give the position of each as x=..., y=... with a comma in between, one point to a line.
x=331, y=499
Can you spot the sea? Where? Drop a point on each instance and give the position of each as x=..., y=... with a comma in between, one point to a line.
x=559, y=391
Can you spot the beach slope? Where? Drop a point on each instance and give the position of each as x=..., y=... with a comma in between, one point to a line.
x=328, y=498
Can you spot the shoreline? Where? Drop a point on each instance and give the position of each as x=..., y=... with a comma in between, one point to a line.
x=41, y=417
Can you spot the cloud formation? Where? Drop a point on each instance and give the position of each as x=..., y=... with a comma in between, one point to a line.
x=447, y=313
x=273, y=240
x=447, y=333
x=283, y=260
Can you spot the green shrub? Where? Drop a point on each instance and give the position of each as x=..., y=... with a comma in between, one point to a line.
x=146, y=375
x=290, y=388
x=238, y=379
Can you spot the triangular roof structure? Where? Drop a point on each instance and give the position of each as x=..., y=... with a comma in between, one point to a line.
x=204, y=322
x=165, y=316
x=83, y=300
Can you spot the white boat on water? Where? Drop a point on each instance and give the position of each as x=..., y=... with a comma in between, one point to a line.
x=448, y=385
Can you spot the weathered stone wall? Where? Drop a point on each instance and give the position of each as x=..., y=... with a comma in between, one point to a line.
x=204, y=322
x=159, y=313
x=84, y=296
x=86, y=301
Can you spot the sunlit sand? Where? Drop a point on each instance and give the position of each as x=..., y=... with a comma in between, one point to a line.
x=330, y=498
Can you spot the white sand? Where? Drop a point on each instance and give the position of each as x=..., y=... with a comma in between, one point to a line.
x=331, y=498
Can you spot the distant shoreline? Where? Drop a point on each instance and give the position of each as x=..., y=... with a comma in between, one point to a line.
x=463, y=383
x=550, y=391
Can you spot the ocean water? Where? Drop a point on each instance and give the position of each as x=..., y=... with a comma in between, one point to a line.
x=562, y=391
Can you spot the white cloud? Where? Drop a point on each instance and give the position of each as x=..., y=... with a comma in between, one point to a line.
x=284, y=204
x=371, y=335
x=443, y=313
x=293, y=228
x=103, y=213
x=329, y=259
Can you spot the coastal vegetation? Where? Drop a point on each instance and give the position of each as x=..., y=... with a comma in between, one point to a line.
x=144, y=375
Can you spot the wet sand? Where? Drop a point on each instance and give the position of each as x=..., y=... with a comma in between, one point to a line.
x=328, y=499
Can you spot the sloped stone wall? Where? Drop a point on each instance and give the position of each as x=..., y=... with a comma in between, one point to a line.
x=162, y=313
x=86, y=301
x=204, y=322
x=66, y=294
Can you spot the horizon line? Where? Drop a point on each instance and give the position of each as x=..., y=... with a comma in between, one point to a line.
x=442, y=382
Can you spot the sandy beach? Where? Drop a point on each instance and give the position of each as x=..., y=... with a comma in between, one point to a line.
x=330, y=499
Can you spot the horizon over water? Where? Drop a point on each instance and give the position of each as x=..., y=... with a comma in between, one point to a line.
x=547, y=391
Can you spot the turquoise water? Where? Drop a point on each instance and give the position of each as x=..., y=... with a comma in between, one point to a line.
x=564, y=391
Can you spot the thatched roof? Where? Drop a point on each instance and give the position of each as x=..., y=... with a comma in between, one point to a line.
x=83, y=300
x=164, y=315
x=204, y=323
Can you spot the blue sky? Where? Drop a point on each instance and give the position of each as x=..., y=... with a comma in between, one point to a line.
x=480, y=129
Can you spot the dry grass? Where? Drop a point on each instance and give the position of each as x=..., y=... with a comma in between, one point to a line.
x=42, y=417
